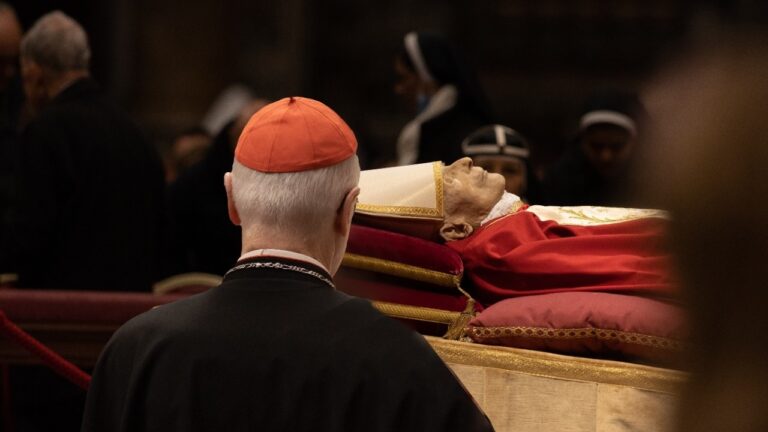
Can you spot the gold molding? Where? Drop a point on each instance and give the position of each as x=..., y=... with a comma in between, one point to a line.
x=407, y=271
x=559, y=366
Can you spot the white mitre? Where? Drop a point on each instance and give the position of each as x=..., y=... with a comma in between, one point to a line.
x=406, y=199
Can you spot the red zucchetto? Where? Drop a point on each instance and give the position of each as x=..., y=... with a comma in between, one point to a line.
x=294, y=134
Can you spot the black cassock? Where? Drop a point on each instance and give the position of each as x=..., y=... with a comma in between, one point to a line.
x=274, y=348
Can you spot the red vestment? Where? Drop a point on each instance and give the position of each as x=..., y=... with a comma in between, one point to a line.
x=519, y=255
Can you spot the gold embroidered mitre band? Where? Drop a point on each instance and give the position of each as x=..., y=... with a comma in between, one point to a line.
x=407, y=199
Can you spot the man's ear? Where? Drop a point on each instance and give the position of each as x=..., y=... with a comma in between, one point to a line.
x=455, y=230
x=346, y=211
x=233, y=215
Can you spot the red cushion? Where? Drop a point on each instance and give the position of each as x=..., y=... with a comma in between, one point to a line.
x=390, y=289
x=584, y=323
x=396, y=268
x=403, y=249
x=87, y=307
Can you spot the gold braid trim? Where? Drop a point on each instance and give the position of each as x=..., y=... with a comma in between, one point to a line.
x=399, y=211
x=456, y=322
x=458, y=328
x=418, y=313
x=437, y=168
x=401, y=270
x=485, y=333
x=558, y=366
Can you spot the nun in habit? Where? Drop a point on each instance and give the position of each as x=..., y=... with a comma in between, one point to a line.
x=447, y=96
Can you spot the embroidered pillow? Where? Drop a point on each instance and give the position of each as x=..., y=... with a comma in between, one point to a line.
x=584, y=323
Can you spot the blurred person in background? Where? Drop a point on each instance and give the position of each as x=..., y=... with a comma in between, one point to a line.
x=502, y=150
x=187, y=149
x=89, y=208
x=89, y=212
x=204, y=240
x=595, y=168
x=435, y=80
x=707, y=166
x=11, y=102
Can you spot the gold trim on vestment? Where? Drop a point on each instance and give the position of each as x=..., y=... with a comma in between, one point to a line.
x=559, y=366
x=580, y=214
x=418, y=212
x=437, y=168
x=402, y=270
x=420, y=313
x=400, y=211
x=484, y=333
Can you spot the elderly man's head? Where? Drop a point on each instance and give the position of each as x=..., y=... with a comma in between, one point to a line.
x=469, y=192
x=10, y=37
x=294, y=181
x=54, y=52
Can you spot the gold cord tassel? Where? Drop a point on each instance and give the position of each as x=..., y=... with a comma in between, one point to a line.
x=458, y=327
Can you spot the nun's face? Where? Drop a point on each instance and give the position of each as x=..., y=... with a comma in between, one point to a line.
x=512, y=168
x=608, y=148
x=408, y=84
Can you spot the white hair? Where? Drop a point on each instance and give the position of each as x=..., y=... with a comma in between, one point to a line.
x=58, y=43
x=296, y=203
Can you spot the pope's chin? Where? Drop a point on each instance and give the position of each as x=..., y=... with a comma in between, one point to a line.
x=497, y=182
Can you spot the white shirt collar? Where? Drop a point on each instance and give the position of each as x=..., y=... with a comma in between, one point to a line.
x=280, y=253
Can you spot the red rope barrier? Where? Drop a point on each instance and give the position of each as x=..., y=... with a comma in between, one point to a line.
x=53, y=360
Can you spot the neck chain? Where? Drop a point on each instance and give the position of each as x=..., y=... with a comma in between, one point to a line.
x=281, y=266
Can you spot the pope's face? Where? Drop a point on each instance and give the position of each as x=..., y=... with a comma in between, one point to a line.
x=470, y=191
x=512, y=168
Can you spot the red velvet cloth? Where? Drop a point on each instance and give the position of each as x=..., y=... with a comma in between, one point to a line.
x=391, y=246
x=521, y=255
x=582, y=323
x=87, y=307
x=369, y=285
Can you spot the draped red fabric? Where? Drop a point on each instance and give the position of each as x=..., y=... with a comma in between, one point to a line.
x=521, y=255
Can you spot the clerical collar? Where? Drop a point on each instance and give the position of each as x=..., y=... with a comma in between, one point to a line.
x=279, y=259
x=509, y=203
x=281, y=253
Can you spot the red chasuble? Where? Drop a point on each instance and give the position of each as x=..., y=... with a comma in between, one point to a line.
x=519, y=255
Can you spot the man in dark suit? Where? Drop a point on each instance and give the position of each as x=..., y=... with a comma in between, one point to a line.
x=11, y=101
x=276, y=347
x=89, y=205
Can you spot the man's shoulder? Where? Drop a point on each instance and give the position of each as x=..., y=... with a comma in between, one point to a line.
x=160, y=321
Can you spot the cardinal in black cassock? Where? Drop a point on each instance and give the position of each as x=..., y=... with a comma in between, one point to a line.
x=275, y=347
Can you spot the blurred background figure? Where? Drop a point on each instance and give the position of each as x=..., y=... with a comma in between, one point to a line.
x=708, y=165
x=595, y=169
x=89, y=208
x=11, y=101
x=203, y=238
x=435, y=80
x=502, y=150
x=187, y=149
